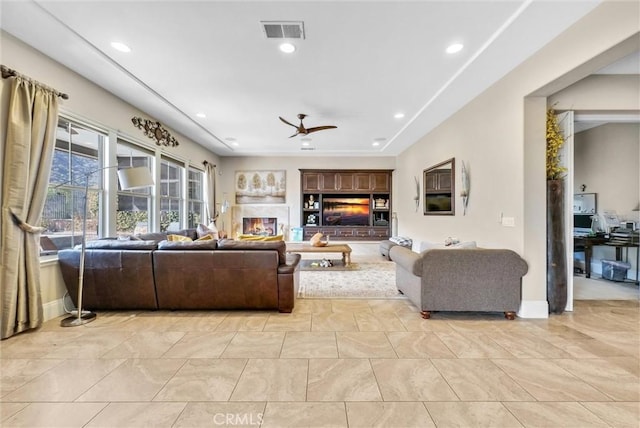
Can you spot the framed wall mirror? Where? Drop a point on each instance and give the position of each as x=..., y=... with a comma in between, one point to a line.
x=439, y=188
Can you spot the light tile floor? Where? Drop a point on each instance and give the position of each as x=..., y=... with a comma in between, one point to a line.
x=331, y=363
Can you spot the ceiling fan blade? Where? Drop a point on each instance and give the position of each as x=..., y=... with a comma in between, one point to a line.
x=291, y=124
x=320, y=128
x=297, y=133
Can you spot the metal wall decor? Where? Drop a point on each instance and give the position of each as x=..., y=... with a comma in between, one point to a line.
x=155, y=131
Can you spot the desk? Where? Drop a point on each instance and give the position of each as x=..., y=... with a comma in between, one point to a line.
x=586, y=244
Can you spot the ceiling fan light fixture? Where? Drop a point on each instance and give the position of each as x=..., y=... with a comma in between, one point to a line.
x=287, y=47
x=454, y=48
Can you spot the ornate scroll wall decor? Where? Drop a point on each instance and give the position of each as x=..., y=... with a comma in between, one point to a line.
x=155, y=131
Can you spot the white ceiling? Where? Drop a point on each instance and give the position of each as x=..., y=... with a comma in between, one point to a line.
x=360, y=63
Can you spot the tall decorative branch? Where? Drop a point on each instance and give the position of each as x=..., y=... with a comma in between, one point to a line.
x=155, y=131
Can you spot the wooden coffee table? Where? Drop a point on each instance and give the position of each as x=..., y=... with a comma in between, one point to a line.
x=299, y=247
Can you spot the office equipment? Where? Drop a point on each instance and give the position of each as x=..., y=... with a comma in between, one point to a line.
x=582, y=224
x=610, y=221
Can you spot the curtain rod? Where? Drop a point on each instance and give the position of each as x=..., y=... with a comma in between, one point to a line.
x=8, y=72
x=205, y=163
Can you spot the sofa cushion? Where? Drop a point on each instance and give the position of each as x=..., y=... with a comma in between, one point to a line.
x=151, y=236
x=207, y=244
x=279, y=246
x=119, y=244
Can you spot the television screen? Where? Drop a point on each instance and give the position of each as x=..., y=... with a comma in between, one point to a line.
x=345, y=211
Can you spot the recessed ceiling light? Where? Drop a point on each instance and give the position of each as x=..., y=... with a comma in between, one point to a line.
x=398, y=115
x=119, y=46
x=202, y=115
x=287, y=47
x=235, y=143
x=378, y=141
x=455, y=47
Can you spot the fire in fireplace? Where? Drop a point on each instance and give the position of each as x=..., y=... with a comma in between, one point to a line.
x=262, y=226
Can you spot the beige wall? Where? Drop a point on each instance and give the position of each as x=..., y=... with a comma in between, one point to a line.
x=500, y=134
x=607, y=162
x=618, y=92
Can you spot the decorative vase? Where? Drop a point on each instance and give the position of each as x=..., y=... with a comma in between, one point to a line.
x=556, y=256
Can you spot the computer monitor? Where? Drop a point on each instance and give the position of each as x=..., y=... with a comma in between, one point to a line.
x=582, y=222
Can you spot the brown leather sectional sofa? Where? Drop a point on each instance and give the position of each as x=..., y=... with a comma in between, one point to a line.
x=146, y=274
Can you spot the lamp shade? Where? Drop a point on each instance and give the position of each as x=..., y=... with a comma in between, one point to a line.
x=132, y=178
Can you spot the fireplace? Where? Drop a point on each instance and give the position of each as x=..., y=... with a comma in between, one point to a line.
x=261, y=226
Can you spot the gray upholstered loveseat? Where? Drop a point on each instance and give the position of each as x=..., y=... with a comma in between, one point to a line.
x=474, y=279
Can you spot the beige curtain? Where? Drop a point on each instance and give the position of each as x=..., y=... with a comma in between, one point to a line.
x=32, y=116
x=210, y=191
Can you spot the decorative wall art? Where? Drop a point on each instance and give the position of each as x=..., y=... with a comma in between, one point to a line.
x=155, y=131
x=261, y=187
x=466, y=187
x=416, y=198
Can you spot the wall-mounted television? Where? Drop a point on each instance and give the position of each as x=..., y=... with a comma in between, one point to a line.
x=345, y=211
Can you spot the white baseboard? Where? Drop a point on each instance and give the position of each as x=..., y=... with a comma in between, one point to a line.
x=53, y=309
x=534, y=309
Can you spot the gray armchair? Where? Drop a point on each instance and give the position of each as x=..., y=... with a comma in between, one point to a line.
x=460, y=279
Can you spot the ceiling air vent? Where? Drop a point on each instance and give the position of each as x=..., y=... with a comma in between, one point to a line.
x=307, y=148
x=283, y=29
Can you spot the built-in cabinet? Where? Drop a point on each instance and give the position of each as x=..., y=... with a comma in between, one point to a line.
x=346, y=204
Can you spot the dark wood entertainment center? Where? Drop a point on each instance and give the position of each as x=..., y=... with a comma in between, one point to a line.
x=367, y=191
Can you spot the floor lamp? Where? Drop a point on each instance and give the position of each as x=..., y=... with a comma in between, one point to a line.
x=129, y=178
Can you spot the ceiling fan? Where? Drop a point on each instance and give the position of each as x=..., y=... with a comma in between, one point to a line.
x=300, y=129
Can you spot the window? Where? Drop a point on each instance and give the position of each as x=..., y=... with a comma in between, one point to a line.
x=195, y=201
x=171, y=199
x=76, y=159
x=134, y=206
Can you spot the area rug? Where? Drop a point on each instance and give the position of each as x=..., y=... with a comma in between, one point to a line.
x=370, y=281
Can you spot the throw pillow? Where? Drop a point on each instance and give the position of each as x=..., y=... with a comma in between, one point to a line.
x=206, y=237
x=178, y=238
x=260, y=238
x=203, y=230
